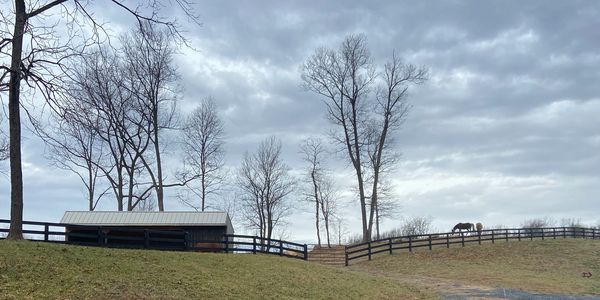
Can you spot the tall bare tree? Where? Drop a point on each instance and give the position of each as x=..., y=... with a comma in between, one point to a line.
x=148, y=56
x=265, y=185
x=204, y=153
x=366, y=106
x=41, y=63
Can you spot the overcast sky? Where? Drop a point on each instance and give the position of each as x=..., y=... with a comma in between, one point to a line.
x=506, y=129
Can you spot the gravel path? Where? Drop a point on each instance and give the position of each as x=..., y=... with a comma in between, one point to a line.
x=475, y=293
x=454, y=291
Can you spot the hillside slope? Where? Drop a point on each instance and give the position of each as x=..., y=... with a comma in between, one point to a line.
x=550, y=266
x=33, y=270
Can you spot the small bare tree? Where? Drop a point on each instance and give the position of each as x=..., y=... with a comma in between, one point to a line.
x=320, y=190
x=265, y=185
x=329, y=196
x=3, y=142
x=74, y=146
x=204, y=153
x=411, y=226
x=312, y=152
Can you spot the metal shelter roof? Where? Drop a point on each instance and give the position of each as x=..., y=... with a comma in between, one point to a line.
x=154, y=218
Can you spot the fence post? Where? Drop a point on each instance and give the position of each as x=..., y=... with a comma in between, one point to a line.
x=346, y=254
x=305, y=252
x=369, y=247
x=462, y=238
x=410, y=243
x=519, y=234
x=226, y=244
x=254, y=244
x=186, y=240
x=280, y=248
x=479, y=237
x=46, y=232
x=564, y=232
x=430, y=242
x=506, y=233
x=554, y=233
x=100, y=236
x=543, y=234
x=390, y=245
x=531, y=234
x=583, y=233
x=493, y=231
x=447, y=240
x=593, y=233
x=146, y=239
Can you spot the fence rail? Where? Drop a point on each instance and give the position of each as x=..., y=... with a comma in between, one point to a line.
x=174, y=240
x=410, y=242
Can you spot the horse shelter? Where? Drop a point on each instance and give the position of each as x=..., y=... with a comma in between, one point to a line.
x=137, y=229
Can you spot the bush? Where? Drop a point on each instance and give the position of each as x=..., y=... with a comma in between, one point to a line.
x=538, y=223
x=531, y=224
x=571, y=222
x=411, y=226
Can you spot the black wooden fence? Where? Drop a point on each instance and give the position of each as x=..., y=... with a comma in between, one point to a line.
x=410, y=242
x=175, y=240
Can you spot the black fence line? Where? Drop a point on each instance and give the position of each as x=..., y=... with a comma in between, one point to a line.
x=410, y=242
x=175, y=240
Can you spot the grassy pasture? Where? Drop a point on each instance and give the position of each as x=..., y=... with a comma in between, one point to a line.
x=548, y=266
x=33, y=270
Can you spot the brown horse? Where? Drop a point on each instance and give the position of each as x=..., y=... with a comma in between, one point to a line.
x=479, y=227
x=463, y=226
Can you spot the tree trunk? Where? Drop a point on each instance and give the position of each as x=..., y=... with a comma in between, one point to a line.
x=377, y=220
x=90, y=187
x=203, y=184
x=16, y=172
x=316, y=191
x=159, y=187
x=359, y=177
x=327, y=231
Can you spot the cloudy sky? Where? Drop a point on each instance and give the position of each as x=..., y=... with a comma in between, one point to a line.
x=506, y=129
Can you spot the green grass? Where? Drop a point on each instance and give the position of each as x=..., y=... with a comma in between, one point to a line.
x=30, y=270
x=550, y=266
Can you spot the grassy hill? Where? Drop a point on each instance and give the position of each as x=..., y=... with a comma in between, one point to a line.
x=30, y=270
x=550, y=266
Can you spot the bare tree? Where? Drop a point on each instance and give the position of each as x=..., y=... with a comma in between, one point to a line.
x=366, y=106
x=321, y=189
x=265, y=185
x=148, y=204
x=411, y=226
x=100, y=98
x=204, y=153
x=386, y=206
x=41, y=64
x=74, y=146
x=329, y=196
x=148, y=59
x=341, y=231
x=4, y=147
x=312, y=152
x=3, y=142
